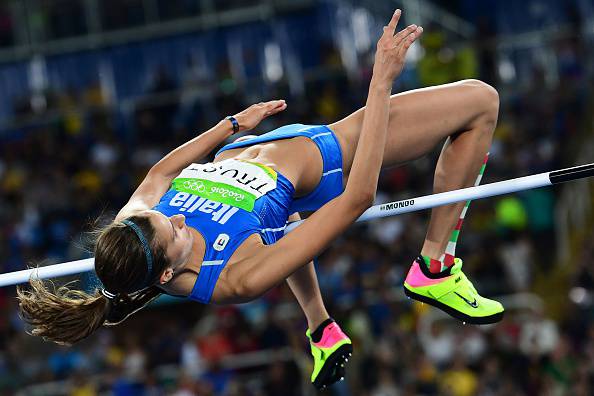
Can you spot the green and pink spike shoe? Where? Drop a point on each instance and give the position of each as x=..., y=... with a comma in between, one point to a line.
x=330, y=355
x=451, y=292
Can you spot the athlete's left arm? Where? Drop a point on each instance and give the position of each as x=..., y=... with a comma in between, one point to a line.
x=199, y=147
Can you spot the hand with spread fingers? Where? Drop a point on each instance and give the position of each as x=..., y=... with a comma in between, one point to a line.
x=253, y=115
x=392, y=47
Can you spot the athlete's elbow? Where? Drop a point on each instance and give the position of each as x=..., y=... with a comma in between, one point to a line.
x=247, y=290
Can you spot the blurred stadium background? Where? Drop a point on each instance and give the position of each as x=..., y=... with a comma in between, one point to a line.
x=96, y=91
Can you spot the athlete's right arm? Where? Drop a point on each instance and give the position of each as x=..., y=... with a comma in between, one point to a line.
x=158, y=179
x=279, y=260
x=196, y=149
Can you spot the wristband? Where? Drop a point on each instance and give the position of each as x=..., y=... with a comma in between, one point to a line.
x=234, y=123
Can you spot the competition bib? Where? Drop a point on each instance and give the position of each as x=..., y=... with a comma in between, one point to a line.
x=232, y=182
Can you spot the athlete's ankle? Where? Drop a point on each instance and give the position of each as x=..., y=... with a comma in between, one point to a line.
x=317, y=333
x=433, y=253
x=436, y=266
x=432, y=249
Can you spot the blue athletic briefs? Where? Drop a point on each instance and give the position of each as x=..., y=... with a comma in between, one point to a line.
x=331, y=183
x=230, y=200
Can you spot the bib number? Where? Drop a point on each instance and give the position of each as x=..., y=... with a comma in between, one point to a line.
x=230, y=182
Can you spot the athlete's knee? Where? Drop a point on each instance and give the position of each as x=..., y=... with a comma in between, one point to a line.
x=486, y=98
x=485, y=95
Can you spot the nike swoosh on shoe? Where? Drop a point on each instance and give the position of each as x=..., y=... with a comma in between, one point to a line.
x=473, y=304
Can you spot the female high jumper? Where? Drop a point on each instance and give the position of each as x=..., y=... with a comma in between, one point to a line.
x=214, y=232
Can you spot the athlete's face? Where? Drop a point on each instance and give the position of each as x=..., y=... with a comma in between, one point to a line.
x=174, y=235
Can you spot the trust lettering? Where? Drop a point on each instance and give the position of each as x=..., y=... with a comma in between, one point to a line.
x=238, y=175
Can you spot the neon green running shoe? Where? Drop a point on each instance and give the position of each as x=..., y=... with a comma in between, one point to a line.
x=330, y=355
x=453, y=293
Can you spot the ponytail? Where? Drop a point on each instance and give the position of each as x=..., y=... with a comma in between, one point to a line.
x=61, y=314
x=66, y=316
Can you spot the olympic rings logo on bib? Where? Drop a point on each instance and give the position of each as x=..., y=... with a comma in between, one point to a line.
x=230, y=182
x=194, y=185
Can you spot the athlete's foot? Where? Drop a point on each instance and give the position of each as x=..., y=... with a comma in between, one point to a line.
x=330, y=354
x=452, y=292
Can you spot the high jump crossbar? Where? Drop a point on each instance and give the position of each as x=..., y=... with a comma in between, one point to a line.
x=374, y=212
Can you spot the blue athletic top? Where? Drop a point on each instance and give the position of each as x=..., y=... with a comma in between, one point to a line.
x=230, y=200
x=226, y=202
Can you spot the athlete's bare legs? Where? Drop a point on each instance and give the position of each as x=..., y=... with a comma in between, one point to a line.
x=465, y=111
x=304, y=285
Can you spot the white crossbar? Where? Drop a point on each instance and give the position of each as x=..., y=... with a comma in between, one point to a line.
x=383, y=210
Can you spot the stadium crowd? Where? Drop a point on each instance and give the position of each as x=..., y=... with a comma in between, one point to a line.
x=58, y=177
